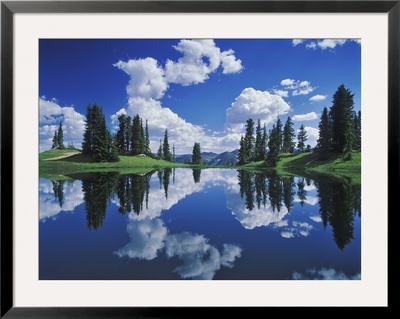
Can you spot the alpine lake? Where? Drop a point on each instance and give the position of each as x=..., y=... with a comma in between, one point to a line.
x=199, y=224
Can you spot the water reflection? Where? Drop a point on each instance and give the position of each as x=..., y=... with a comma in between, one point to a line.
x=294, y=207
x=201, y=260
x=255, y=199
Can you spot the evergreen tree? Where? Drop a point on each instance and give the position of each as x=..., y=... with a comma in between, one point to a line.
x=87, y=143
x=166, y=151
x=160, y=152
x=357, y=131
x=196, y=156
x=60, y=137
x=288, y=136
x=259, y=153
x=128, y=134
x=242, y=153
x=264, y=142
x=341, y=116
x=121, y=134
x=302, y=138
x=324, y=139
x=138, y=142
x=273, y=147
x=97, y=140
x=173, y=154
x=279, y=135
x=147, y=140
x=55, y=140
x=249, y=139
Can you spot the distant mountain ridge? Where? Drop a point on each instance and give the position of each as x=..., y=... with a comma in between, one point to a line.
x=211, y=158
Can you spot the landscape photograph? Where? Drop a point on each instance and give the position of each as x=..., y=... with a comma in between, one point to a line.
x=199, y=159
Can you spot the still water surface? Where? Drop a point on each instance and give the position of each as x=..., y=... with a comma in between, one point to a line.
x=220, y=224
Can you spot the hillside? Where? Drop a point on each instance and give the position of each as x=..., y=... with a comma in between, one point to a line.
x=212, y=159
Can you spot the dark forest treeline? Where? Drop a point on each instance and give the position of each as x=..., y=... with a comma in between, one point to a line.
x=339, y=133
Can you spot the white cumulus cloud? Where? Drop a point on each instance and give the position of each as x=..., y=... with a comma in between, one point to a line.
x=149, y=81
x=296, y=42
x=50, y=115
x=255, y=104
x=305, y=117
x=318, y=98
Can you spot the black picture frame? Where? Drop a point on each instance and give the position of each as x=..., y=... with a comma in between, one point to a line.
x=9, y=8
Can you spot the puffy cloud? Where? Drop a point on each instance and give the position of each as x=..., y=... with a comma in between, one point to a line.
x=304, y=89
x=298, y=87
x=296, y=42
x=313, y=135
x=324, y=274
x=281, y=93
x=324, y=44
x=50, y=206
x=312, y=45
x=287, y=82
x=146, y=78
x=305, y=117
x=149, y=81
x=255, y=104
x=200, y=259
x=330, y=43
x=200, y=58
x=316, y=218
x=50, y=114
x=147, y=238
x=318, y=98
x=298, y=229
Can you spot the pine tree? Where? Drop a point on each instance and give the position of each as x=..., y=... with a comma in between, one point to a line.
x=264, y=142
x=138, y=142
x=258, y=153
x=97, y=140
x=302, y=138
x=279, y=135
x=242, y=153
x=173, y=154
x=273, y=147
x=121, y=134
x=288, y=136
x=60, y=137
x=324, y=140
x=147, y=140
x=128, y=134
x=249, y=139
x=160, y=152
x=196, y=155
x=55, y=140
x=87, y=143
x=357, y=131
x=166, y=151
x=341, y=116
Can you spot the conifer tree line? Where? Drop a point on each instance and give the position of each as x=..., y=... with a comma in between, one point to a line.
x=58, y=139
x=132, y=138
x=339, y=132
x=266, y=146
x=98, y=142
x=340, y=127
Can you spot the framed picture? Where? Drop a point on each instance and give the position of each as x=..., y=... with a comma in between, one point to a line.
x=160, y=158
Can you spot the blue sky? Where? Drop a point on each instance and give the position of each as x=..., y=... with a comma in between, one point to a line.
x=201, y=90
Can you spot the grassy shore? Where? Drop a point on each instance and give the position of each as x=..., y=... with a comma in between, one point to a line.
x=308, y=164
x=57, y=164
x=52, y=165
x=334, y=165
